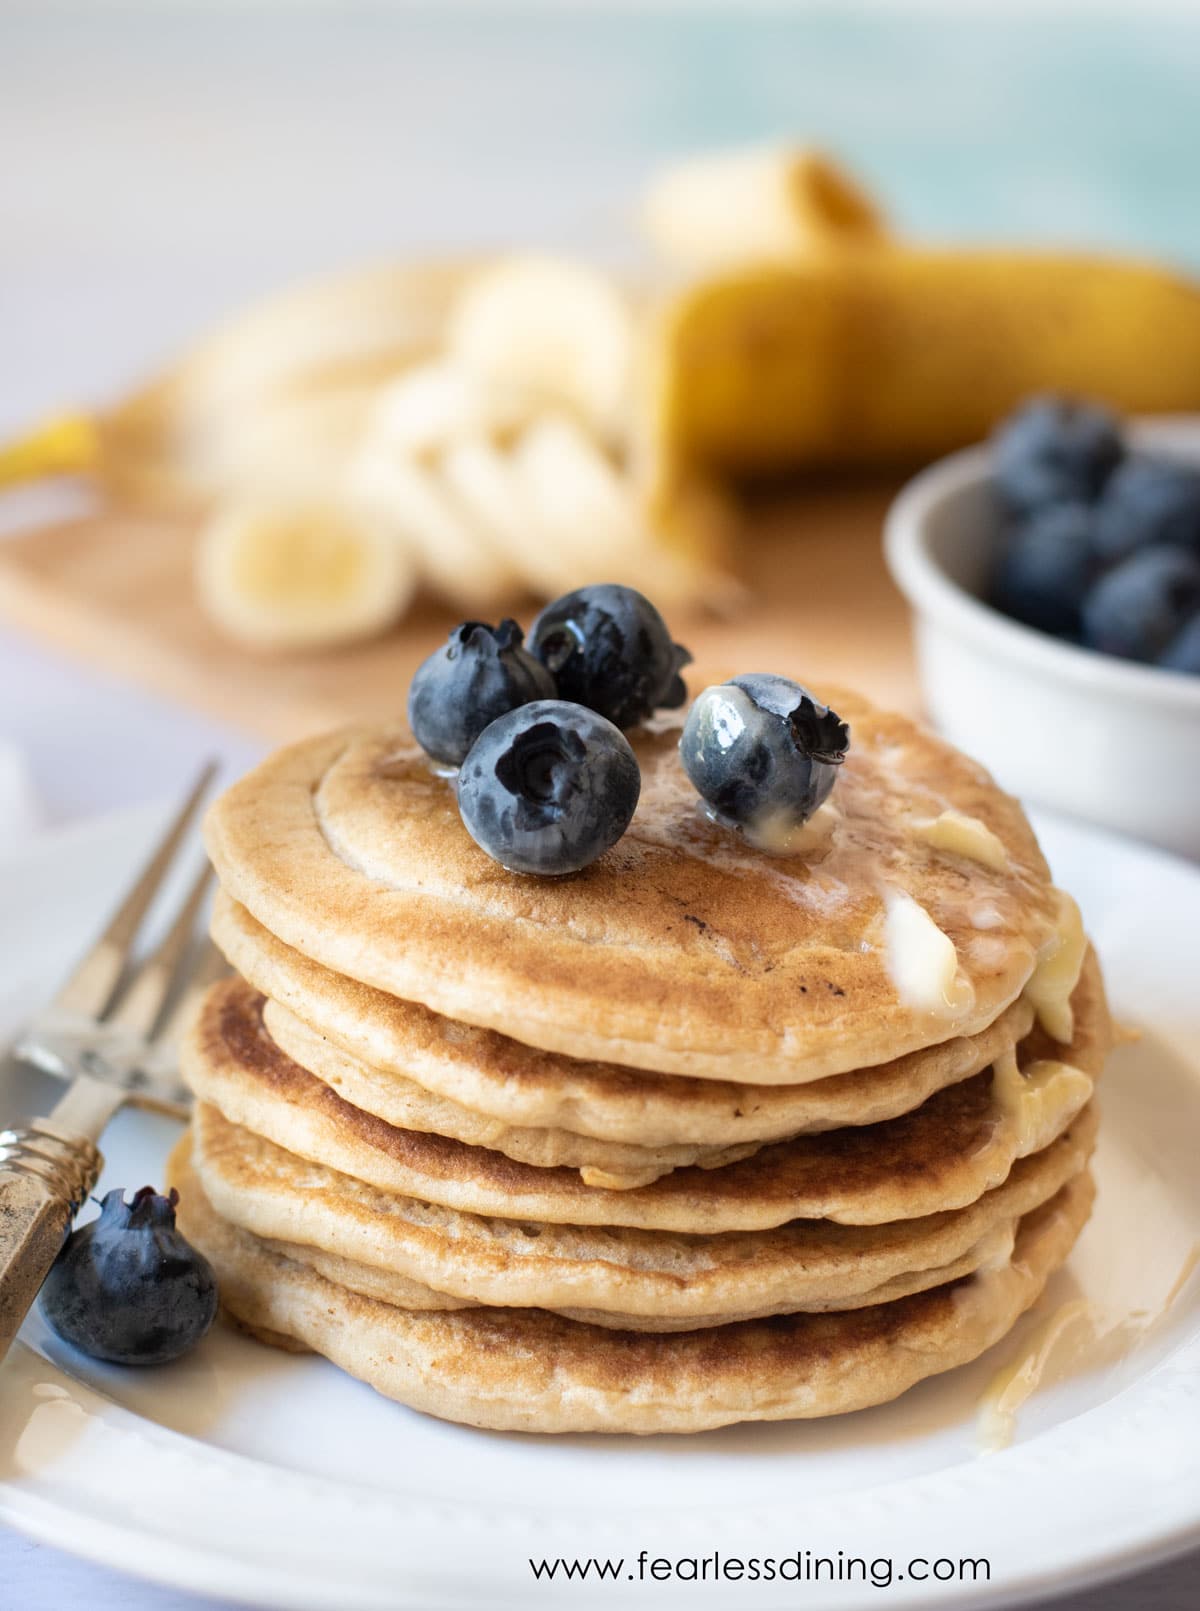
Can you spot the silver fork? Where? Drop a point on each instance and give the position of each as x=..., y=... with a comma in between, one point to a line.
x=113, y=1041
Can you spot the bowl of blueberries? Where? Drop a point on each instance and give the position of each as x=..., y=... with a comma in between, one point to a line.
x=1054, y=577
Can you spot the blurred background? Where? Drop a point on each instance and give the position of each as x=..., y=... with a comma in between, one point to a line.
x=161, y=162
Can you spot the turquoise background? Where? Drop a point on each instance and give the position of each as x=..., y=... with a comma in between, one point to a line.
x=1080, y=123
x=1073, y=126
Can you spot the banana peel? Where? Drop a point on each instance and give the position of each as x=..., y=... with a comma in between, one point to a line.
x=895, y=355
x=757, y=205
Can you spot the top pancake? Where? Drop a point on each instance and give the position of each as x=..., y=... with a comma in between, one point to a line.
x=681, y=950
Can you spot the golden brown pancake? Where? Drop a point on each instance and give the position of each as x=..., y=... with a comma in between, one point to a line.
x=957, y=1145
x=368, y=1282
x=522, y=1086
x=528, y=1370
x=611, y=1165
x=681, y=950
x=389, y=1246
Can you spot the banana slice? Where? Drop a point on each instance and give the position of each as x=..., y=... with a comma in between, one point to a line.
x=558, y=329
x=590, y=513
x=278, y=386
x=357, y=325
x=456, y=554
x=483, y=481
x=294, y=575
x=765, y=202
x=294, y=449
x=439, y=403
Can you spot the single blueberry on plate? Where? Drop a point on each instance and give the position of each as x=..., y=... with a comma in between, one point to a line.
x=128, y=1288
x=1148, y=502
x=1045, y=567
x=1183, y=651
x=763, y=753
x=1137, y=609
x=609, y=649
x=1054, y=450
x=549, y=787
x=480, y=672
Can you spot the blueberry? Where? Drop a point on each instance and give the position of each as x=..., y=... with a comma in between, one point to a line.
x=1055, y=451
x=1045, y=567
x=1183, y=651
x=609, y=649
x=763, y=753
x=127, y=1287
x=548, y=788
x=1138, y=608
x=1148, y=502
x=480, y=673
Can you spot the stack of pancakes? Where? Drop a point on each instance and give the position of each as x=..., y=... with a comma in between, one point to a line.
x=698, y=1135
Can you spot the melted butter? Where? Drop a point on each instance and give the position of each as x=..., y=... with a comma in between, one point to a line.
x=993, y=1269
x=614, y=1180
x=777, y=834
x=988, y=951
x=995, y=1250
x=1056, y=972
x=986, y=1287
x=1070, y=1339
x=1189, y=1267
x=962, y=835
x=922, y=962
x=1012, y=1386
x=1038, y=1103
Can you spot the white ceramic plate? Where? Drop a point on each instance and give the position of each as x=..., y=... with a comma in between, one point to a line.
x=273, y=1478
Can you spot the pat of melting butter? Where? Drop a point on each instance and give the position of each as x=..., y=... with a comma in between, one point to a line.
x=922, y=962
x=962, y=835
x=1056, y=972
x=1039, y=1102
x=779, y=834
x=615, y=1180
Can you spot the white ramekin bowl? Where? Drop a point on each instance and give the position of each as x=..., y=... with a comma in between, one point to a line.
x=1081, y=732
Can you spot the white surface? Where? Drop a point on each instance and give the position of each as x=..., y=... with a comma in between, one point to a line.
x=200, y=1472
x=1102, y=738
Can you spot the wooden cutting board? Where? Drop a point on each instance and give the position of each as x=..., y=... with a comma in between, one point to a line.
x=115, y=591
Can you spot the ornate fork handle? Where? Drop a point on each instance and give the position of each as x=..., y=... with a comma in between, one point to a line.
x=46, y=1172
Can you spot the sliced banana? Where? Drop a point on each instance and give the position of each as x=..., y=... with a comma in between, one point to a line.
x=296, y=575
x=561, y=330
x=292, y=449
x=436, y=404
x=483, y=481
x=764, y=202
x=590, y=514
x=456, y=555
x=273, y=386
x=361, y=324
